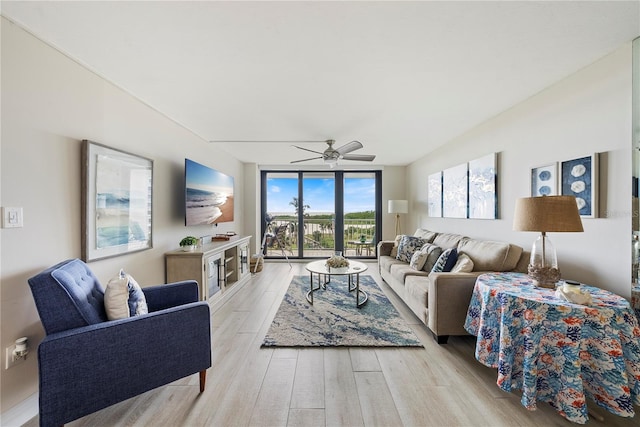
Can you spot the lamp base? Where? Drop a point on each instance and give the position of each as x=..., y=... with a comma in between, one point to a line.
x=544, y=277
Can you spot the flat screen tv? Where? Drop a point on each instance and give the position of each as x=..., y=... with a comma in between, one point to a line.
x=208, y=195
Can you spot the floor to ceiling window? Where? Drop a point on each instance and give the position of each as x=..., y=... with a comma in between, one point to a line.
x=309, y=214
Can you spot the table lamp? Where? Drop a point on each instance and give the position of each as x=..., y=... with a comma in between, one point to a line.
x=546, y=214
x=397, y=207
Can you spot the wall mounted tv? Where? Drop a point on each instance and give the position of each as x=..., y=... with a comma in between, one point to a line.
x=208, y=195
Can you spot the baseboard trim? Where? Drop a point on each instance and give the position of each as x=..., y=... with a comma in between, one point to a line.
x=19, y=414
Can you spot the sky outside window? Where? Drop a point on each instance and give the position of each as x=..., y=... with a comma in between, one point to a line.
x=359, y=194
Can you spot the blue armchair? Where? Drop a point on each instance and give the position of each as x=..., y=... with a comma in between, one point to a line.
x=87, y=362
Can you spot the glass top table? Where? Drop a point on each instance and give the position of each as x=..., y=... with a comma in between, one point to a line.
x=323, y=273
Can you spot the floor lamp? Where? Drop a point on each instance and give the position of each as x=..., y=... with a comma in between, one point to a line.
x=398, y=207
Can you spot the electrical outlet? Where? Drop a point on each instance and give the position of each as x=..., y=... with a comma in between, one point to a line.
x=12, y=361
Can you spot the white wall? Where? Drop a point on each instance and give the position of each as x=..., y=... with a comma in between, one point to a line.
x=49, y=104
x=588, y=112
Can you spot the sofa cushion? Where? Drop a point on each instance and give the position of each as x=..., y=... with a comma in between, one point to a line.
x=386, y=262
x=446, y=261
x=490, y=255
x=464, y=264
x=401, y=270
x=425, y=234
x=448, y=240
x=416, y=296
x=408, y=245
x=417, y=288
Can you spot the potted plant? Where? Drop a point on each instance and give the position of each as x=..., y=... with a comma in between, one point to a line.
x=189, y=243
x=363, y=238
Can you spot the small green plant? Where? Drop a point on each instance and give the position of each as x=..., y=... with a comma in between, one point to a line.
x=189, y=241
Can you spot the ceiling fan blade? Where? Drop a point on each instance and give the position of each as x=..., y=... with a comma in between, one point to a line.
x=349, y=147
x=304, y=160
x=361, y=157
x=306, y=149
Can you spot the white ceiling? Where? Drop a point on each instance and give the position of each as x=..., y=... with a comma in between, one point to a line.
x=401, y=77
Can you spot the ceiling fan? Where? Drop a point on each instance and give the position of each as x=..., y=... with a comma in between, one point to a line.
x=332, y=155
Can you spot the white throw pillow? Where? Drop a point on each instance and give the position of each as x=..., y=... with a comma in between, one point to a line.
x=396, y=242
x=124, y=298
x=463, y=265
x=418, y=259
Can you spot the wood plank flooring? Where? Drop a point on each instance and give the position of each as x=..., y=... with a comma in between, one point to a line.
x=438, y=385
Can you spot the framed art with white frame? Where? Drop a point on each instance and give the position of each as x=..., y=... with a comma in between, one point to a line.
x=544, y=180
x=116, y=202
x=579, y=178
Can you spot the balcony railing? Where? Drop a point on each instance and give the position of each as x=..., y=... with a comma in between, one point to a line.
x=319, y=237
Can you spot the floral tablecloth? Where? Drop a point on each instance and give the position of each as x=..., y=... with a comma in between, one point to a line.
x=556, y=351
x=635, y=299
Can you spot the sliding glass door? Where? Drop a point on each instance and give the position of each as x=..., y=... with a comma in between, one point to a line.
x=360, y=214
x=312, y=214
x=319, y=214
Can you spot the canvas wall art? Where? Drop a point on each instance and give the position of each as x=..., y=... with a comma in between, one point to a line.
x=435, y=194
x=483, y=201
x=454, y=192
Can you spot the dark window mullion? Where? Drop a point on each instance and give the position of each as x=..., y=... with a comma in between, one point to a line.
x=339, y=211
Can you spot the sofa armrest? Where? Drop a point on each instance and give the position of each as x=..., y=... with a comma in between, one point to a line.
x=162, y=297
x=143, y=352
x=384, y=247
x=448, y=301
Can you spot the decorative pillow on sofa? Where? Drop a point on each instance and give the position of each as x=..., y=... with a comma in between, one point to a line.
x=124, y=298
x=418, y=259
x=446, y=261
x=433, y=253
x=408, y=245
x=426, y=257
x=463, y=265
x=396, y=242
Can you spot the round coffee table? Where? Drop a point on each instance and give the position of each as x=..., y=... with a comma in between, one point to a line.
x=320, y=269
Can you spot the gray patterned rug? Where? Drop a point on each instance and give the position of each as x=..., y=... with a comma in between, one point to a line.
x=334, y=321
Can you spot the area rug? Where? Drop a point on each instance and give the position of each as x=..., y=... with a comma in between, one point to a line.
x=334, y=321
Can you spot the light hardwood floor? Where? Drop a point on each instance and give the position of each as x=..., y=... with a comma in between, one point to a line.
x=438, y=385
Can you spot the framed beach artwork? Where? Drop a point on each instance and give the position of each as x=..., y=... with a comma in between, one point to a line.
x=579, y=177
x=544, y=180
x=434, y=186
x=454, y=192
x=483, y=200
x=116, y=202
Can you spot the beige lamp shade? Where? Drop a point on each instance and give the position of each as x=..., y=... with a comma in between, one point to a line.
x=547, y=214
x=398, y=206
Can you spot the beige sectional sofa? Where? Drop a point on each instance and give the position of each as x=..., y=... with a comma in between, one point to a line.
x=441, y=300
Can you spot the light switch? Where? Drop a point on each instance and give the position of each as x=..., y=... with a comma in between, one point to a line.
x=12, y=218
